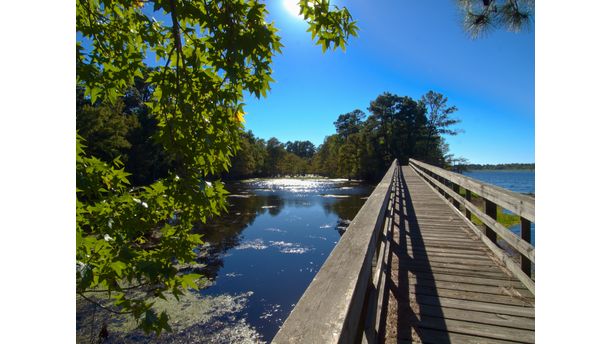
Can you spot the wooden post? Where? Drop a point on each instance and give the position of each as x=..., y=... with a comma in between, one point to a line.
x=526, y=235
x=456, y=189
x=468, y=197
x=445, y=183
x=440, y=180
x=491, y=210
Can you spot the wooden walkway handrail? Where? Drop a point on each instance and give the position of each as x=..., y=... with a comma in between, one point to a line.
x=449, y=183
x=520, y=204
x=331, y=309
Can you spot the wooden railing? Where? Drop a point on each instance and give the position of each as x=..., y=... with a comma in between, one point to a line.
x=449, y=185
x=337, y=306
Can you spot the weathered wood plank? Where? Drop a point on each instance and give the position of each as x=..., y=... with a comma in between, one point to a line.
x=477, y=329
x=479, y=317
x=484, y=289
x=503, y=283
x=429, y=336
x=446, y=259
x=494, y=308
x=460, y=272
x=419, y=289
x=424, y=263
x=475, y=251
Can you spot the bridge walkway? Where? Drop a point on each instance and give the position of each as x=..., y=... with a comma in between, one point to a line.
x=443, y=285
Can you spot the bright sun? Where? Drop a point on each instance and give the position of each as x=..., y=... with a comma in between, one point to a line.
x=292, y=7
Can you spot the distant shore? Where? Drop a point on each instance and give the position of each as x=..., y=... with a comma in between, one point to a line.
x=499, y=167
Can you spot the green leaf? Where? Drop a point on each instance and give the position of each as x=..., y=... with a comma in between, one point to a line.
x=189, y=280
x=93, y=93
x=118, y=267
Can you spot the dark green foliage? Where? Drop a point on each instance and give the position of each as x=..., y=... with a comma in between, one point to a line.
x=349, y=123
x=258, y=158
x=250, y=158
x=303, y=149
x=105, y=127
x=400, y=122
x=275, y=153
x=434, y=149
x=127, y=130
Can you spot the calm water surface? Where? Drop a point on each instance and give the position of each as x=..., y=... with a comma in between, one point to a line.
x=259, y=260
x=522, y=181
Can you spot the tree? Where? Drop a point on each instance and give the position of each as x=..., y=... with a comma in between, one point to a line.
x=349, y=123
x=303, y=149
x=275, y=153
x=291, y=164
x=439, y=123
x=398, y=122
x=349, y=155
x=210, y=54
x=249, y=160
x=481, y=16
x=397, y=128
x=106, y=128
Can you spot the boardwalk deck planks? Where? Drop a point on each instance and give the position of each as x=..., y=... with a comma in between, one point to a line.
x=437, y=293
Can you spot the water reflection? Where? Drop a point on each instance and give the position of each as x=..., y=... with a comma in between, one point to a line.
x=262, y=255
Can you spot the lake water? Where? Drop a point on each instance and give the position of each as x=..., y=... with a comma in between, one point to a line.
x=521, y=181
x=259, y=260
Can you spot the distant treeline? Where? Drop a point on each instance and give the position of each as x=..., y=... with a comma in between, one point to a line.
x=363, y=146
x=514, y=166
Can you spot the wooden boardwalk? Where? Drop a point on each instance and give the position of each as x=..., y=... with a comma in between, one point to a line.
x=443, y=285
x=411, y=267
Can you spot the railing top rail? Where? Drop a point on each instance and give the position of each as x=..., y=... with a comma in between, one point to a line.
x=522, y=205
x=321, y=314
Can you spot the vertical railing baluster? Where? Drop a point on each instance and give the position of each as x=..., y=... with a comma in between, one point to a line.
x=456, y=189
x=491, y=210
x=526, y=235
x=468, y=197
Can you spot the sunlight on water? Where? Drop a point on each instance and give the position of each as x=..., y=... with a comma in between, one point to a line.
x=294, y=184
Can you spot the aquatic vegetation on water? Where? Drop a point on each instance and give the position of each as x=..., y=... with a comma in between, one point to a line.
x=194, y=319
x=256, y=244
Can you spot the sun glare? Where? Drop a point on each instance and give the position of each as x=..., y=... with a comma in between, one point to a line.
x=292, y=7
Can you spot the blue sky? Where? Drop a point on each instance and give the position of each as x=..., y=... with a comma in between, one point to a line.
x=406, y=47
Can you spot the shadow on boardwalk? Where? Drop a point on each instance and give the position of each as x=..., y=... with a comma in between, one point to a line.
x=401, y=303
